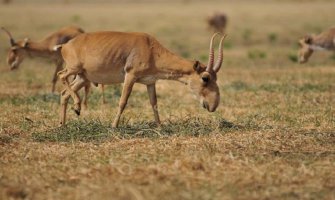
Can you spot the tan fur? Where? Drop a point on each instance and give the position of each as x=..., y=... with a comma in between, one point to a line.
x=311, y=43
x=116, y=57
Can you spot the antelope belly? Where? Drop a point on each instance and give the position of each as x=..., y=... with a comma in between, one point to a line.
x=108, y=77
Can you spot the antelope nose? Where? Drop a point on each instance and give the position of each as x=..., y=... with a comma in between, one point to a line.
x=13, y=67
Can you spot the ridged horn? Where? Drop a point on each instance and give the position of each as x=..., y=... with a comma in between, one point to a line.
x=211, y=54
x=218, y=63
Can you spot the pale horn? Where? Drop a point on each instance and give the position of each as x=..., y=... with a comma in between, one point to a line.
x=211, y=54
x=218, y=63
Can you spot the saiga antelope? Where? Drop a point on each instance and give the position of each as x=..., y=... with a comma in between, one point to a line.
x=45, y=49
x=116, y=57
x=217, y=22
x=310, y=43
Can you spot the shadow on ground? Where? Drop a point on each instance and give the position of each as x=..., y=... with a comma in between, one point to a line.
x=97, y=131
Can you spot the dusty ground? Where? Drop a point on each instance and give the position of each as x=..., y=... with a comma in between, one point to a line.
x=271, y=138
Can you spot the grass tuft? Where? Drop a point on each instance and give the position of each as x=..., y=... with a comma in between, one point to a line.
x=272, y=37
x=293, y=57
x=5, y=139
x=256, y=54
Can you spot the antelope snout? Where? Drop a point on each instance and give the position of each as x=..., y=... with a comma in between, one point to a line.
x=302, y=61
x=13, y=67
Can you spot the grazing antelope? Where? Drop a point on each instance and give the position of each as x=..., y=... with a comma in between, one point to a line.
x=217, y=22
x=44, y=48
x=116, y=57
x=310, y=43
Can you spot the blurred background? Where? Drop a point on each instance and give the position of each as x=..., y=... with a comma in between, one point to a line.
x=262, y=35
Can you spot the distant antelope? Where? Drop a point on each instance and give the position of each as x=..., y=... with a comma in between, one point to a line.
x=44, y=48
x=217, y=22
x=116, y=57
x=310, y=43
x=6, y=1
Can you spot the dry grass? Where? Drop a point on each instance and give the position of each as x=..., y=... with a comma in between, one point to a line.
x=271, y=138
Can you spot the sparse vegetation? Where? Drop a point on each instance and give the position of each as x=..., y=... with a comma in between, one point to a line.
x=272, y=37
x=293, y=57
x=272, y=136
x=256, y=54
x=246, y=35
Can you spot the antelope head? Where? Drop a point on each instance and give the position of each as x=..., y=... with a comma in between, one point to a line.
x=17, y=50
x=204, y=82
x=305, y=51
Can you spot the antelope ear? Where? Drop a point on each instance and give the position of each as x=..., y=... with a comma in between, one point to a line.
x=25, y=43
x=308, y=39
x=197, y=66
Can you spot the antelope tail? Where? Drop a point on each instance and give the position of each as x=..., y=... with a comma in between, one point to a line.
x=57, y=47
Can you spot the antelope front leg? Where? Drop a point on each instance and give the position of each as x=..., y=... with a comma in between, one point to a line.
x=127, y=87
x=87, y=90
x=63, y=75
x=153, y=101
x=65, y=95
x=103, y=93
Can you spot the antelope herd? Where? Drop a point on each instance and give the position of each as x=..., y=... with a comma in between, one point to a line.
x=129, y=58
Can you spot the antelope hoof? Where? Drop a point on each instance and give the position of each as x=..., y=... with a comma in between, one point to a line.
x=77, y=111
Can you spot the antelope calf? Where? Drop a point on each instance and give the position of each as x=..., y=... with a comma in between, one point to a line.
x=310, y=43
x=217, y=22
x=44, y=48
x=116, y=57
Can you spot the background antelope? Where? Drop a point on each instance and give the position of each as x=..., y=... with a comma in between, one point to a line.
x=116, y=57
x=44, y=48
x=217, y=22
x=6, y=1
x=310, y=43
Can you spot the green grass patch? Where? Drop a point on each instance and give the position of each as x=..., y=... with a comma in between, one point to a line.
x=293, y=57
x=97, y=131
x=278, y=87
x=272, y=37
x=33, y=99
x=256, y=54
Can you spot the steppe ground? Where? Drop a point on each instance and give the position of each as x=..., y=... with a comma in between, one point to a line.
x=272, y=136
